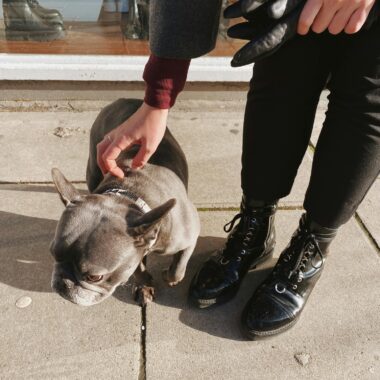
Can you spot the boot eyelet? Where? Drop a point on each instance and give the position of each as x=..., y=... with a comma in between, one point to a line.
x=299, y=279
x=238, y=259
x=279, y=288
x=294, y=287
x=224, y=261
x=243, y=252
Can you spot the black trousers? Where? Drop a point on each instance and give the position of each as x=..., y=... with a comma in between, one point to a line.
x=281, y=106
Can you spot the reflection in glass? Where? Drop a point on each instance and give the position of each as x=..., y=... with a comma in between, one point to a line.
x=136, y=25
x=28, y=20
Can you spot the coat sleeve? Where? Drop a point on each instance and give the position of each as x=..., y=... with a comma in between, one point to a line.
x=183, y=29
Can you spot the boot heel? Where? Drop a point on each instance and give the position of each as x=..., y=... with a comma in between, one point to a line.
x=262, y=259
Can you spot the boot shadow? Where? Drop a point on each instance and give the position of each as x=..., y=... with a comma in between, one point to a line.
x=221, y=321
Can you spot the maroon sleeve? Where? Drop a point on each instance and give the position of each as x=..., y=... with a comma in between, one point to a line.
x=165, y=78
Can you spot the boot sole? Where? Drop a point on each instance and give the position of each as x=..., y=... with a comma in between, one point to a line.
x=21, y=35
x=205, y=303
x=260, y=335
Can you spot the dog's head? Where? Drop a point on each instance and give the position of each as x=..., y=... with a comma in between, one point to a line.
x=99, y=242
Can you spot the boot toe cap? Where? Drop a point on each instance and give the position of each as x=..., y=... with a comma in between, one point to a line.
x=209, y=283
x=264, y=316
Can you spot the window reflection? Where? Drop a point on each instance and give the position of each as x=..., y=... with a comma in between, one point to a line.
x=29, y=20
x=101, y=27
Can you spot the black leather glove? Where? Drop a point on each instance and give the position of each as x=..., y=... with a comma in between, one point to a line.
x=270, y=23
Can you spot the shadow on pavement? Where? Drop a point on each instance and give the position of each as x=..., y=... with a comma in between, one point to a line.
x=35, y=188
x=27, y=264
x=24, y=252
x=221, y=321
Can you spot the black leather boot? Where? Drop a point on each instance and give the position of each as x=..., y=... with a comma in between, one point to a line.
x=135, y=23
x=49, y=15
x=278, y=302
x=22, y=22
x=250, y=243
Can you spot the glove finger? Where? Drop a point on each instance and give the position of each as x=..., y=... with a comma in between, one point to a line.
x=249, y=6
x=268, y=43
x=280, y=8
x=244, y=31
x=257, y=25
x=242, y=8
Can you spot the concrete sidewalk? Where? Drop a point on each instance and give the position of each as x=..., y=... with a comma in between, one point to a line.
x=45, y=337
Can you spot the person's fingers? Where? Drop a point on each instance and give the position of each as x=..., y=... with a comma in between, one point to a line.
x=357, y=20
x=340, y=20
x=308, y=14
x=100, y=149
x=117, y=172
x=112, y=153
x=142, y=157
x=324, y=18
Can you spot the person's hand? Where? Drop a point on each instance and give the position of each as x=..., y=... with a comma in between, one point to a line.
x=334, y=15
x=146, y=127
x=271, y=23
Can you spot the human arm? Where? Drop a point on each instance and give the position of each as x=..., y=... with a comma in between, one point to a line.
x=179, y=30
x=165, y=79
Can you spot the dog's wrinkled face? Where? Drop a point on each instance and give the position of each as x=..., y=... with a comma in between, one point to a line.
x=99, y=242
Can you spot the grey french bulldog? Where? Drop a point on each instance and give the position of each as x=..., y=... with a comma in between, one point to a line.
x=103, y=237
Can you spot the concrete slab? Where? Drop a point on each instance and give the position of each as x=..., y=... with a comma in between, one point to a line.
x=338, y=333
x=34, y=142
x=32, y=148
x=52, y=338
x=369, y=211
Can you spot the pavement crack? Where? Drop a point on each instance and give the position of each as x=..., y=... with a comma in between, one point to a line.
x=142, y=370
x=76, y=182
x=237, y=209
x=367, y=232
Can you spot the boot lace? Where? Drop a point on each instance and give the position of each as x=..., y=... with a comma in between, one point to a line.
x=303, y=248
x=240, y=238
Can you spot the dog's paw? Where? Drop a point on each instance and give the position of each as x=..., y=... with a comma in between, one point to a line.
x=143, y=294
x=170, y=280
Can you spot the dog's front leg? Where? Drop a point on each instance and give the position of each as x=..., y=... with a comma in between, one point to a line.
x=143, y=290
x=176, y=272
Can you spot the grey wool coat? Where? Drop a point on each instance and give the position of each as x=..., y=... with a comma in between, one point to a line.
x=183, y=29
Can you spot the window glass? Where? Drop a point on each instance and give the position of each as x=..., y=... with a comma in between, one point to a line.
x=83, y=27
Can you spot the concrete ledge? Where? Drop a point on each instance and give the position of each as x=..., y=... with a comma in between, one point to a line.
x=108, y=68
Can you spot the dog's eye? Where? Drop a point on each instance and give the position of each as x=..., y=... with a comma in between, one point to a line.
x=94, y=278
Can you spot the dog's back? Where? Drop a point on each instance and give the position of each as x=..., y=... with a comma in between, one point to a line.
x=168, y=154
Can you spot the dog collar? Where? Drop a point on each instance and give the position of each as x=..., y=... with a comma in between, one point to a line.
x=131, y=196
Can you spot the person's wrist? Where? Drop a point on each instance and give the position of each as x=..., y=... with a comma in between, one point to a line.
x=149, y=108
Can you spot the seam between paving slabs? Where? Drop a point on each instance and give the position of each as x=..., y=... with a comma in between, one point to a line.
x=358, y=219
x=366, y=232
x=142, y=369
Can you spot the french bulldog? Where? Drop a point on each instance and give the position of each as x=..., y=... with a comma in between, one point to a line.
x=102, y=238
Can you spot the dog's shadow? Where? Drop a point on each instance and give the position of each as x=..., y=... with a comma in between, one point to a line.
x=221, y=321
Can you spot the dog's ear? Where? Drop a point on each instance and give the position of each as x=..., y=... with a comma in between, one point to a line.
x=66, y=190
x=145, y=228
